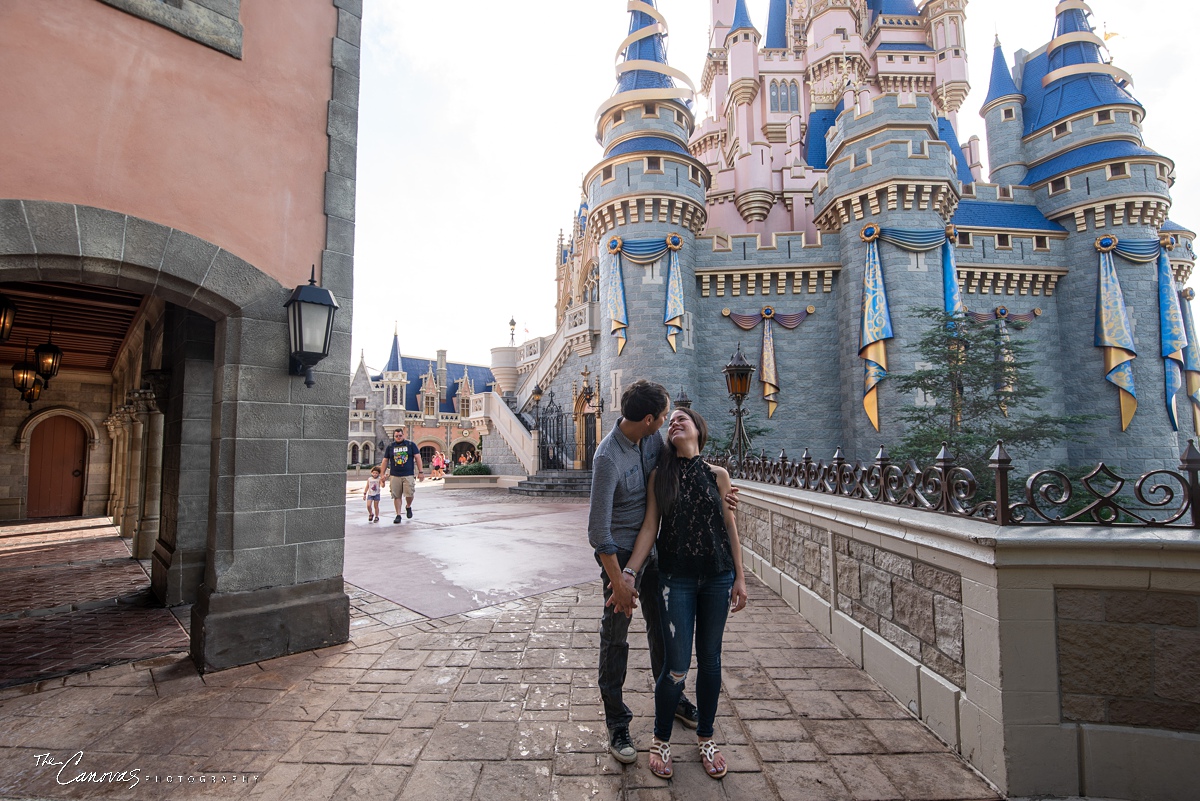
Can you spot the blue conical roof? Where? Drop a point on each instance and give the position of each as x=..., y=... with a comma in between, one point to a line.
x=652, y=48
x=900, y=8
x=741, y=18
x=1002, y=83
x=777, y=24
x=393, y=362
x=1072, y=94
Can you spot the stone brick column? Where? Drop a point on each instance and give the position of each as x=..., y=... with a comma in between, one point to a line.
x=147, y=400
x=134, y=448
x=186, y=403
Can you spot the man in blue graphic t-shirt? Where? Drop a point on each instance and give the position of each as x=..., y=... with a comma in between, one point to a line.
x=399, y=460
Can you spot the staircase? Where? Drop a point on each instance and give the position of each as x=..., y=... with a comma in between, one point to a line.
x=556, y=484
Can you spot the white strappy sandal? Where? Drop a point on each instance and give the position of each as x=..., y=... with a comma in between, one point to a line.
x=709, y=751
x=662, y=750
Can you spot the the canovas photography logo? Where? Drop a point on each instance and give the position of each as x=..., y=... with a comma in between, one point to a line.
x=72, y=770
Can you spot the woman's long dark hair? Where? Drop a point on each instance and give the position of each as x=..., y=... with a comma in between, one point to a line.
x=666, y=482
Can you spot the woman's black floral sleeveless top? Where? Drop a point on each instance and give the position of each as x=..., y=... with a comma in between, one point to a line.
x=692, y=540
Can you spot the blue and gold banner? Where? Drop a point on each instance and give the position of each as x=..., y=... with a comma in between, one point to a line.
x=1173, y=338
x=616, y=309
x=646, y=251
x=1191, y=356
x=876, y=325
x=769, y=373
x=1113, y=331
x=951, y=292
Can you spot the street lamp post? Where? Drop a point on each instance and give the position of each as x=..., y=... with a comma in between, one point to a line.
x=737, y=381
x=536, y=394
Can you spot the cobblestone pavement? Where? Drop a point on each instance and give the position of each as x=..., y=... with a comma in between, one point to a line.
x=71, y=599
x=499, y=703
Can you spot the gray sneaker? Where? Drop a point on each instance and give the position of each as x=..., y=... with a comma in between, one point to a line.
x=621, y=746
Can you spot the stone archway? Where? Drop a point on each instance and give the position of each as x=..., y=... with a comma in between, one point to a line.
x=257, y=547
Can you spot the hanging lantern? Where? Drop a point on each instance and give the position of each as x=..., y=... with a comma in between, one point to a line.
x=310, y=312
x=24, y=372
x=31, y=395
x=8, y=314
x=47, y=358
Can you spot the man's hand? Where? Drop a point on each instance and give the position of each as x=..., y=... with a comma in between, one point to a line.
x=731, y=499
x=624, y=597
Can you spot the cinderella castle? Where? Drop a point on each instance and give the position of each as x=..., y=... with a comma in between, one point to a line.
x=826, y=197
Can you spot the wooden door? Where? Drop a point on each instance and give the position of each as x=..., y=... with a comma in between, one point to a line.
x=56, y=466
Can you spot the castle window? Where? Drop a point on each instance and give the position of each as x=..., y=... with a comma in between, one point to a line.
x=842, y=33
x=430, y=405
x=606, y=174
x=957, y=52
x=618, y=117
x=745, y=37
x=694, y=173
x=1003, y=241
x=1135, y=117
x=653, y=164
x=1118, y=170
x=774, y=96
x=1104, y=115
x=1162, y=171
x=360, y=403
x=1004, y=192
x=1062, y=129
x=650, y=110
x=680, y=119
x=964, y=239
x=1008, y=114
x=921, y=59
x=1041, y=243
x=891, y=59
x=1059, y=185
x=941, y=56
x=906, y=59
x=794, y=95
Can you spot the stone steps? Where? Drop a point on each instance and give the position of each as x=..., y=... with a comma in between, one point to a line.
x=556, y=484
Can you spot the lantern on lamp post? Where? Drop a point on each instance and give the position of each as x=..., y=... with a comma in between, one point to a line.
x=737, y=381
x=47, y=357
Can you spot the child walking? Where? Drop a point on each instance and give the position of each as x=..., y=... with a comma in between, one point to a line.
x=371, y=492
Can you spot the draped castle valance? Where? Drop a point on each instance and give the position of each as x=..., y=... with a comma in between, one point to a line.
x=1114, y=333
x=768, y=374
x=645, y=251
x=876, y=317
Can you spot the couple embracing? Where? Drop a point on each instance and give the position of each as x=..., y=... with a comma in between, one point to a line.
x=662, y=525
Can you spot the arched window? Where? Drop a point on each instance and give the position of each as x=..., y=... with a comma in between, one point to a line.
x=366, y=453
x=353, y=454
x=427, y=452
x=794, y=91
x=774, y=96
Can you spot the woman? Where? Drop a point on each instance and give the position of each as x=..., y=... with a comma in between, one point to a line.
x=701, y=579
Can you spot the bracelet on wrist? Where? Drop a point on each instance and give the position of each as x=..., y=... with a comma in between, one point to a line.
x=630, y=571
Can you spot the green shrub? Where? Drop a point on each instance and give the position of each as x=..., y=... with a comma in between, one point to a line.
x=472, y=469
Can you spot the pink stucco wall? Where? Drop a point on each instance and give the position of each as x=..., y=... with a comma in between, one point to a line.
x=101, y=108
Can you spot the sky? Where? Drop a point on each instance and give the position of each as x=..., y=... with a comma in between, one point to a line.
x=477, y=124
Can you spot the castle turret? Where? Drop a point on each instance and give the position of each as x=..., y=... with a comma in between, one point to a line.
x=752, y=162
x=1090, y=172
x=777, y=25
x=1004, y=117
x=646, y=205
x=947, y=21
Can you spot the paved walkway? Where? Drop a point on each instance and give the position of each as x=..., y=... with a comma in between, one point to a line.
x=498, y=702
x=72, y=599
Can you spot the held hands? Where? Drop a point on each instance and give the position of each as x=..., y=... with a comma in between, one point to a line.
x=624, y=597
x=737, y=595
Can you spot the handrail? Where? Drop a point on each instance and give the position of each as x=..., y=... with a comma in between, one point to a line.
x=505, y=423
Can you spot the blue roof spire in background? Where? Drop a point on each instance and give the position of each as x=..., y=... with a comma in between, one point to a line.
x=741, y=18
x=651, y=48
x=393, y=362
x=777, y=24
x=1002, y=83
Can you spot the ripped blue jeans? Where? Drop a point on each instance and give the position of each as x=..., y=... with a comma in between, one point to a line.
x=691, y=606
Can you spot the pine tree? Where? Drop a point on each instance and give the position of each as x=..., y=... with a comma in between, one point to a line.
x=981, y=388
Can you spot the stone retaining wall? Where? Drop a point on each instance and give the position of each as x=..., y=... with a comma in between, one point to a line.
x=1129, y=658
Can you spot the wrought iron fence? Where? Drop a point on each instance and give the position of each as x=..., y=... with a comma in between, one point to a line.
x=1050, y=497
x=559, y=447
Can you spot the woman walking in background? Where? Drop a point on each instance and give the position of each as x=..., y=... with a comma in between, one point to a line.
x=701, y=580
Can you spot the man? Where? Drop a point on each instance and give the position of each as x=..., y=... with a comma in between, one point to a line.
x=399, y=460
x=623, y=462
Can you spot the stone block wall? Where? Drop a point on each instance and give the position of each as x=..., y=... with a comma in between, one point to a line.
x=1129, y=658
x=915, y=606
